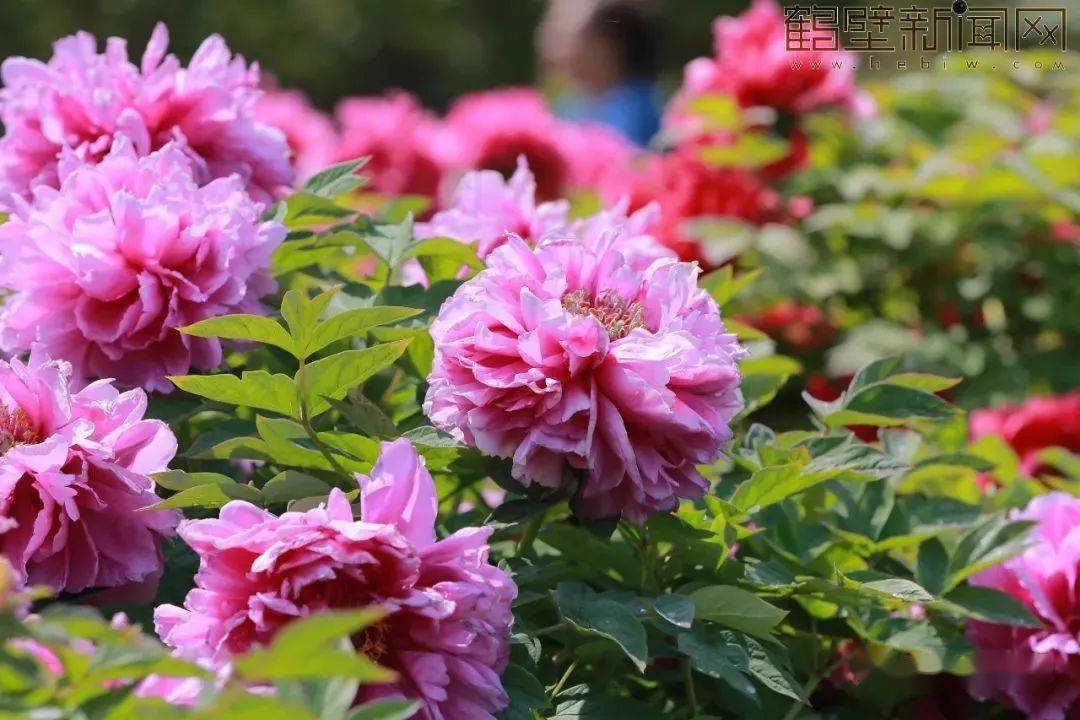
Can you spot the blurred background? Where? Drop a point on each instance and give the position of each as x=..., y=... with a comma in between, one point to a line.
x=438, y=49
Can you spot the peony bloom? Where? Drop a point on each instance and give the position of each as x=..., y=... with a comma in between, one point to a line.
x=447, y=629
x=596, y=153
x=493, y=129
x=73, y=479
x=573, y=355
x=803, y=328
x=81, y=99
x=308, y=131
x=104, y=270
x=1031, y=426
x=404, y=144
x=485, y=207
x=685, y=188
x=634, y=233
x=753, y=64
x=1036, y=669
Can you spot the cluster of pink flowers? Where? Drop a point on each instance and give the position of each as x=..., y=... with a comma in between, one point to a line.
x=104, y=270
x=74, y=485
x=412, y=151
x=1036, y=669
x=446, y=633
x=81, y=99
x=573, y=355
x=753, y=64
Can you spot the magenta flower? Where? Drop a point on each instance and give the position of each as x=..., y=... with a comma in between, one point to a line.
x=1032, y=426
x=753, y=63
x=447, y=631
x=73, y=479
x=598, y=155
x=493, y=129
x=81, y=99
x=574, y=355
x=1036, y=669
x=404, y=144
x=104, y=270
x=308, y=131
x=485, y=207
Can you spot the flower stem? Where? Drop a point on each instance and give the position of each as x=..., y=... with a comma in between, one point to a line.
x=528, y=536
x=562, y=681
x=691, y=692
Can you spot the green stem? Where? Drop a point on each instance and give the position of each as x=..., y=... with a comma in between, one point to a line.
x=528, y=537
x=562, y=681
x=691, y=692
x=305, y=422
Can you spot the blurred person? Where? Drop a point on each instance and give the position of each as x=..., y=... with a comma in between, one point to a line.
x=606, y=51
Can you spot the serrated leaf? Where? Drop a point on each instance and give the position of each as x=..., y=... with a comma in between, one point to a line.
x=336, y=180
x=254, y=388
x=353, y=323
x=334, y=376
x=256, y=328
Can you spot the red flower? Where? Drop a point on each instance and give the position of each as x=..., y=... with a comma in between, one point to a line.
x=803, y=327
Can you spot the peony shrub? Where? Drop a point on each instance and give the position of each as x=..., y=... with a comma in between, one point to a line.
x=499, y=417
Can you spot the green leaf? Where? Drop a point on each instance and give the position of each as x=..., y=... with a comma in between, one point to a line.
x=585, y=703
x=723, y=285
x=719, y=654
x=991, y=542
x=932, y=565
x=302, y=313
x=308, y=648
x=991, y=605
x=775, y=483
x=353, y=323
x=527, y=694
x=333, y=376
x=335, y=180
x=178, y=480
x=305, y=210
x=737, y=608
x=763, y=377
x=254, y=388
x=676, y=609
x=256, y=328
x=444, y=247
x=899, y=588
x=292, y=485
x=209, y=496
x=772, y=670
x=599, y=616
x=385, y=710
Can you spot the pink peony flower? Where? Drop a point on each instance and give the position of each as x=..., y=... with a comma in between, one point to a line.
x=493, y=129
x=81, y=99
x=104, y=270
x=485, y=207
x=752, y=62
x=73, y=479
x=1031, y=426
x=572, y=355
x=634, y=233
x=447, y=631
x=1035, y=669
x=404, y=144
x=596, y=153
x=308, y=131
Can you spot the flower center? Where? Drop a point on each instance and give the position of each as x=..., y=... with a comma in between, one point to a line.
x=373, y=642
x=16, y=429
x=616, y=315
